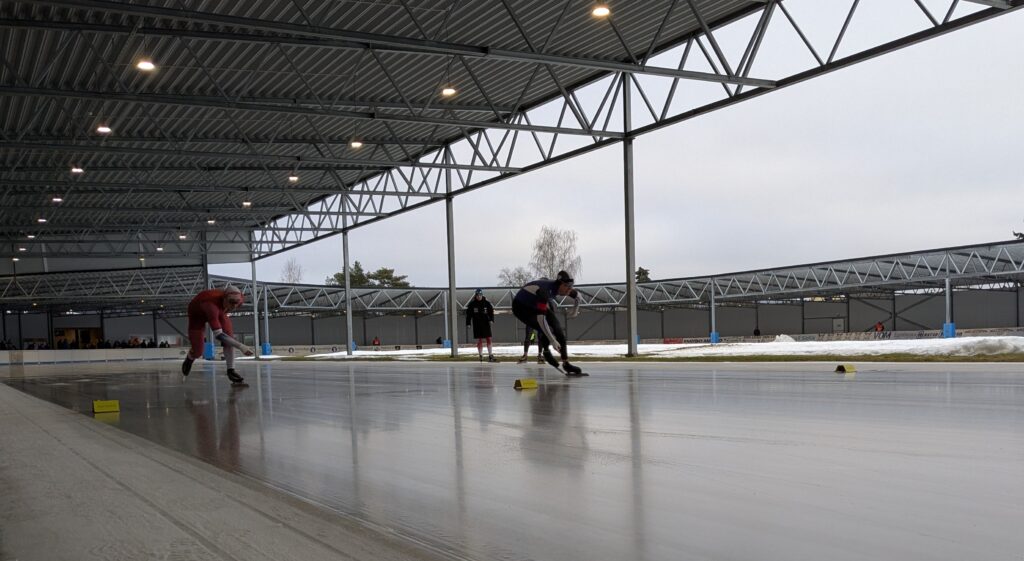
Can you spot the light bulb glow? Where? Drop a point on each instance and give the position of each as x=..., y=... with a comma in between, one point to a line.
x=601, y=11
x=76, y=169
x=448, y=91
x=146, y=65
x=293, y=178
x=104, y=129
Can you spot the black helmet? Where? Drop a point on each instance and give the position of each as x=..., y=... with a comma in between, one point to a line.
x=564, y=278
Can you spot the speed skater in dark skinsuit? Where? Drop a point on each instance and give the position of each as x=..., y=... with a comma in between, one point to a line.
x=531, y=307
x=212, y=307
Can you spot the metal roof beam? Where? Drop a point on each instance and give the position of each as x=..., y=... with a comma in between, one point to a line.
x=296, y=160
x=221, y=103
x=142, y=168
x=1002, y=4
x=360, y=40
x=367, y=141
x=27, y=186
x=268, y=212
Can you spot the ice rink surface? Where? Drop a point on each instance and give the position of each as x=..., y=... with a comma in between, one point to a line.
x=637, y=461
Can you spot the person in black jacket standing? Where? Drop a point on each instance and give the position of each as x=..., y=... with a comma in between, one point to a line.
x=480, y=314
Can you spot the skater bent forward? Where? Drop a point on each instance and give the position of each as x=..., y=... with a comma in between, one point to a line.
x=212, y=307
x=531, y=307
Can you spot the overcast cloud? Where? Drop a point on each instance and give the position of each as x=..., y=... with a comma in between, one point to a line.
x=913, y=150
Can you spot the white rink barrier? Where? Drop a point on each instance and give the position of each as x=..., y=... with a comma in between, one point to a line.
x=60, y=356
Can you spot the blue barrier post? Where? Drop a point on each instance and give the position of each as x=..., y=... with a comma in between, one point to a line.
x=208, y=351
x=446, y=344
x=948, y=330
x=266, y=348
x=715, y=338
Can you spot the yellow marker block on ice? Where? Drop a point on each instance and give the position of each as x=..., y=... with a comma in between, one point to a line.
x=846, y=368
x=106, y=406
x=525, y=384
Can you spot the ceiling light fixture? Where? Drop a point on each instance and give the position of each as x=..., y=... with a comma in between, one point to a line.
x=57, y=199
x=104, y=129
x=15, y=259
x=76, y=169
x=601, y=11
x=246, y=204
x=22, y=249
x=159, y=248
x=448, y=91
x=31, y=236
x=182, y=236
x=145, y=65
x=41, y=220
x=356, y=143
x=293, y=178
x=211, y=221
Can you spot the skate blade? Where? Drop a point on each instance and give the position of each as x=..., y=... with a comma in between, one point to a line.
x=239, y=385
x=576, y=374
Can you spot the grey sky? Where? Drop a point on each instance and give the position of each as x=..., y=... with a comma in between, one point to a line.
x=912, y=150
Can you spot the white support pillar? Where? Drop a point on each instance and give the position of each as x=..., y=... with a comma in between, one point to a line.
x=714, y=326
x=453, y=329
x=255, y=293
x=348, y=296
x=949, y=328
x=266, y=318
x=627, y=169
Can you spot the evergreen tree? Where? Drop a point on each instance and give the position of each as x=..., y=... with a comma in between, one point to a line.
x=356, y=276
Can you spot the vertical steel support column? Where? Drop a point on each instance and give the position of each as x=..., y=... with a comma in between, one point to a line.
x=714, y=325
x=266, y=320
x=803, y=315
x=349, y=339
x=444, y=302
x=453, y=328
x=312, y=329
x=949, y=328
x=894, y=310
x=757, y=315
x=3, y=316
x=103, y=327
x=847, y=313
x=627, y=171
x=208, y=345
x=49, y=328
x=255, y=293
x=21, y=335
x=155, y=338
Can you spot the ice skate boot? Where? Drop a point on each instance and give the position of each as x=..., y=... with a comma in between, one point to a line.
x=236, y=378
x=186, y=366
x=551, y=360
x=571, y=370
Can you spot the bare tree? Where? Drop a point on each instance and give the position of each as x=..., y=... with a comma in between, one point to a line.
x=555, y=250
x=291, y=273
x=518, y=276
